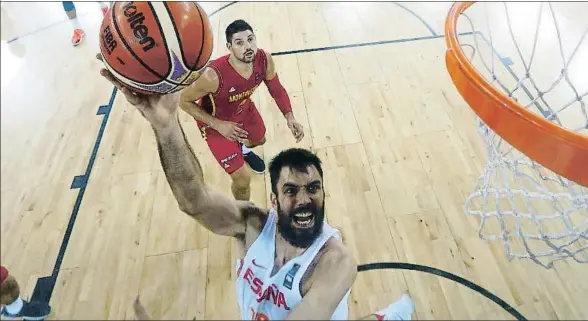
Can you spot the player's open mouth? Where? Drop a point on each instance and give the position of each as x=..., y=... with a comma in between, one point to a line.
x=303, y=220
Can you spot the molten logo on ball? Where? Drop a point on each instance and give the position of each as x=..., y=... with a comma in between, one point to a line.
x=154, y=57
x=139, y=30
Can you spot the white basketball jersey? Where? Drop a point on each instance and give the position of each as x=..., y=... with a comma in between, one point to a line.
x=265, y=297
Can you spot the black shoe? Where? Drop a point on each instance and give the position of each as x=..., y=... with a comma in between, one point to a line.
x=30, y=311
x=255, y=162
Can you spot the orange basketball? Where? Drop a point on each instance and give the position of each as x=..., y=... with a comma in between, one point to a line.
x=156, y=47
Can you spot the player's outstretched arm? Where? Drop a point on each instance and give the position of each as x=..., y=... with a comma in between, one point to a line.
x=215, y=211
x=331, y=279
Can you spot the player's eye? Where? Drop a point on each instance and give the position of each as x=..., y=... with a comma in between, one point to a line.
x=313, y=189
x=290, y=191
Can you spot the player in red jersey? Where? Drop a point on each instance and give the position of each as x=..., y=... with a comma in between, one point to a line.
x=220, y=102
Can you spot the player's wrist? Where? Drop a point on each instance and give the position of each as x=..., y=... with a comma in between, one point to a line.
x=215, y=123
x=166, y=125
x=289, y=116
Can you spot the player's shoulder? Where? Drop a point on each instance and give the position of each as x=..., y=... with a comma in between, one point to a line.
x=220, y=62
x=333, y=260
x=210, y=73
x=207, y=80
x=335, y=253
x=265, y=62
x=262, y=55
x=336, y=259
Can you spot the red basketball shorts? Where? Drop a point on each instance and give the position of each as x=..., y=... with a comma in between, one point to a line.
x=228, y=153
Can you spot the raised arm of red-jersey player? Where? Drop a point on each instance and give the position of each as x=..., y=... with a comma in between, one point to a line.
x=275, y=88
x=331, y=279
x=207, y=83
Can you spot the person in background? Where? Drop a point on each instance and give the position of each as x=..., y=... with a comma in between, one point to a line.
x=78, y=32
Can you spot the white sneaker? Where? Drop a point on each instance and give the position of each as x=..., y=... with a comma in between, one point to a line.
x=399, y=310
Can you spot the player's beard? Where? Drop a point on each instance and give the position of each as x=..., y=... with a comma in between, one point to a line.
x=301, y=237
x=247, y=59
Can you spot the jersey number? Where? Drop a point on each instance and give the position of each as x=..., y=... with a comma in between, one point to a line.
x=258, y=316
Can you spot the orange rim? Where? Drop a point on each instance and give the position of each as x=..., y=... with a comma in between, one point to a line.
x=562, y=151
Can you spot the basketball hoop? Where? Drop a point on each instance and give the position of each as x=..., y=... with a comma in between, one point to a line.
x=532, y=114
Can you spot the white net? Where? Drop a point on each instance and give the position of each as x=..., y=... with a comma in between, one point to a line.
x=536, y=53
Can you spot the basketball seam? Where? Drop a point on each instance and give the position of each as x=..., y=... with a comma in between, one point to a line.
x=181, y=48
x=202, y=41
x=169, y=59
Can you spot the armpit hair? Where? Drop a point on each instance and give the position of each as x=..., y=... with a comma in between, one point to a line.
x=254, y=217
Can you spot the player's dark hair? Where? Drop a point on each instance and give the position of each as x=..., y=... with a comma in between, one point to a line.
x=234, y=27
x=295, y=158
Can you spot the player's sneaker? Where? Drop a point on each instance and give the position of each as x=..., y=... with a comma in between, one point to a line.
x=29, y=311
x=255, y=162
x=399, y=310
x=78, y=37
x=104, y=6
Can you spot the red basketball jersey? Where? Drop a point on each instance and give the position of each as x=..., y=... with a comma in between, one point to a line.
x=232, y=95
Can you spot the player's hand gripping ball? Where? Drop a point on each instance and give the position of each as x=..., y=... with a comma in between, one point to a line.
x=156, y=47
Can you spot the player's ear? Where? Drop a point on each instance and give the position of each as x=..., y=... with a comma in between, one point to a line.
x=274, y=200
x=229, y=45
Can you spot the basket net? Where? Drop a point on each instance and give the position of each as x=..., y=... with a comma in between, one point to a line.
x=537, y=54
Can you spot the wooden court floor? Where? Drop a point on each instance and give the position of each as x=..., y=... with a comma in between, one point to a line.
x=86, y=207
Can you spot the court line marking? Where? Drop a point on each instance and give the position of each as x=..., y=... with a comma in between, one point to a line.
x=362, y=44
x=222, y=8
x=418, y=17
x=448, y=275
x=45, y=285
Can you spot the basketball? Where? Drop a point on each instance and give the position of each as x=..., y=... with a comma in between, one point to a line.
x=156, y=47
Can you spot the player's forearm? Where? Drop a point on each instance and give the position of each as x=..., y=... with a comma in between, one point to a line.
x=279, y=94
x=289, y=116
x=199, y=113
x=181, y=167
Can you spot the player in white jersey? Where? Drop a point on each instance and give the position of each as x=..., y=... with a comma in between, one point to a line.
x=294, y=264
